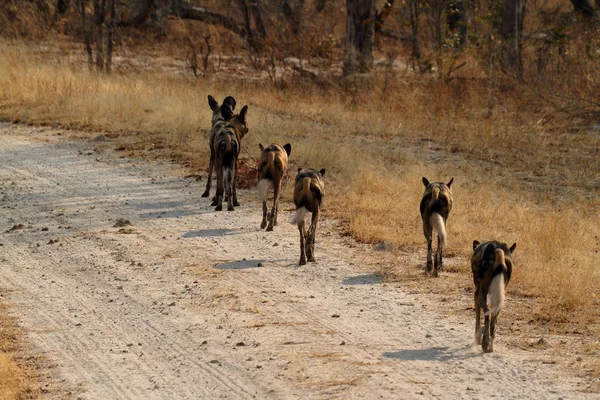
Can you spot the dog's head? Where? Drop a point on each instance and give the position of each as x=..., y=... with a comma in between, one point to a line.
x=426, y=183
x=239, y=122
x=223, y=111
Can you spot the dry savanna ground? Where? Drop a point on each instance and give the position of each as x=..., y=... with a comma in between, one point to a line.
x=521, y=173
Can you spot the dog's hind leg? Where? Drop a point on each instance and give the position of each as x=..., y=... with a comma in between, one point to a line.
x=477, y=318
x=310, y=246
x=302, y=245
x=429, y=268
x=218, y=202
x=273, y=216
x=277, y=203
x=438, y=263
x=492, y=331
x=229, y=185
x=210, y=172
x=264, y=218
x=428, y=232
x=485, y=343
x=234, y=190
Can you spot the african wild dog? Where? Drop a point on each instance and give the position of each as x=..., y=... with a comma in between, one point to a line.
x=273, y=163
x=491, y=264
x=221, y=114
x=227, y=146
x=309, y=190
x=436, y=205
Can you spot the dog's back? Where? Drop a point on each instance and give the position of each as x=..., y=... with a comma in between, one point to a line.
x=437, y=198
x=221, y=115
x=309, y=189
x=490, y=259
x=273, y=161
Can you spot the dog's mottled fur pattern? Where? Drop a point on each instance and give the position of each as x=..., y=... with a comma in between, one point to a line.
x=227, y=146
x=309, y=190
x=435, y=207
x=221, y=114
x=272, y=167
x=491, y=265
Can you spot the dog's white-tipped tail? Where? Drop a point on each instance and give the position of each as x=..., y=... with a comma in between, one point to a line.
x=496, y=295
x=263, y=188
x=439, y=227
x=299, y=216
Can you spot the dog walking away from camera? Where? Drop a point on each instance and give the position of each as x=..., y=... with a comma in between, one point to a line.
x=491, y=265
x=221, y=114
x=272, y=167
x=435, y=207
x=309, y=190
x=227, y=147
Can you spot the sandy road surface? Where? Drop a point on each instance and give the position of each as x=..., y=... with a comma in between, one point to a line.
x=187, y=303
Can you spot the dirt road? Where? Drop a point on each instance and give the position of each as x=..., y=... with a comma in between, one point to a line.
x=187, y=303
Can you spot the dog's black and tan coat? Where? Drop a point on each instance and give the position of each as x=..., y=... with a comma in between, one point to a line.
x=309, y=190
x=435, y=207
x=227, y=146
x=491, y=265
x=221, y=114
x=272, y=167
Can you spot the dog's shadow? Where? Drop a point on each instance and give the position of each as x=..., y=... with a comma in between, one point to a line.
x=208, y=233
x=365, y=279
x=433, y=354
x=240, y=264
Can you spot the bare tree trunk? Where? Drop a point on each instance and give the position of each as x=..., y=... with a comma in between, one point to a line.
x=111, y=31
x=415, y=13
x=360, y=32
x=320, y=5
x=62, y=6
x=584, y=8
x=99, y=15
x=258, y=22
x=252, y=42
x=434, y=17
x=381, y=16
x=512, y=26
x=456, y=18
x=294, y=16
x=81, y=7
x=141, y=14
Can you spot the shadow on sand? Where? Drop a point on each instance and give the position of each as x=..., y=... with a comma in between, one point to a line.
x=366, y=279
x=433, y=354
x=208, y=233
x=241, y=264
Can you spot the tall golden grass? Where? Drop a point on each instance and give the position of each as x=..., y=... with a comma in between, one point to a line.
x=516, y=179
x=15, y=381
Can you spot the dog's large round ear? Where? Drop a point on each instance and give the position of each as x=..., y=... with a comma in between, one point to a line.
x=513, y=247
x=450, y=183
x=475, y=244
x=212, y=103
x=230, y=101
x=489, y=252
x=322, y=172
x=425, y=182
x=288, y=148
x=243, y=113
x=261, y=147
x=226, y=112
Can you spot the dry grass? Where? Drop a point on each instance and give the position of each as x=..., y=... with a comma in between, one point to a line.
x=516, y=179
x=15, y=381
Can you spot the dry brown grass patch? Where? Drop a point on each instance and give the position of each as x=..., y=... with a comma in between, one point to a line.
x=16, y=380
